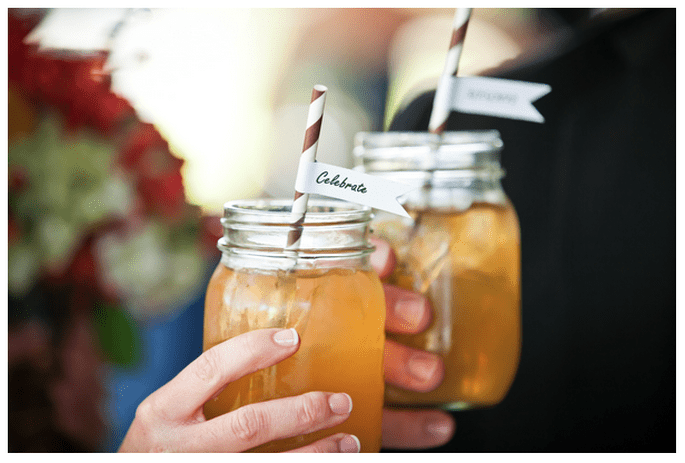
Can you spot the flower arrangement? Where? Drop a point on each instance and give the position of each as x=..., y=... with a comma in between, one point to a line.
x=100, y=234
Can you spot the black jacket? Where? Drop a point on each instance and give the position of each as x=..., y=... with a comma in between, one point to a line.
x=594, y=187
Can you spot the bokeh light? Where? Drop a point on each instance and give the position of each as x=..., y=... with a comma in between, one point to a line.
x=229, y=88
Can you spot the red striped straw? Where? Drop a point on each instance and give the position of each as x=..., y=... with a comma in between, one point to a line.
x=311, y=142
x=441, y=107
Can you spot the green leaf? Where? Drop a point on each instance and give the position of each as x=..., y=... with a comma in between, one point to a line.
x=118, y=334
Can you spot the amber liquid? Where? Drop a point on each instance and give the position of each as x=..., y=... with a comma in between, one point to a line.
x=468, y=265
x=340, y=317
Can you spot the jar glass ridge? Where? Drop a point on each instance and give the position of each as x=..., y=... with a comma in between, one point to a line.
x=332, y=230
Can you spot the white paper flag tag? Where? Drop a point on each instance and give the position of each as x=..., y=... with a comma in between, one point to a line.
x=490, y=96
x=351, y=185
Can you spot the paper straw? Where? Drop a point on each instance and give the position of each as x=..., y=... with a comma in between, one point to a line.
x=311, y=142
x=441, y=103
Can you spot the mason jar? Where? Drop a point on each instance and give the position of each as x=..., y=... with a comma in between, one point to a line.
x=461, y=249
x=327, y=291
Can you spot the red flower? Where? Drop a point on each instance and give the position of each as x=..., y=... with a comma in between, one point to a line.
x=43, y=78
x=18, y=27
x=75, y=83
x=210, y=232
x=83, y=270
x=163, y=194
x=159, y=181
x=91, y=101
x=141, y=139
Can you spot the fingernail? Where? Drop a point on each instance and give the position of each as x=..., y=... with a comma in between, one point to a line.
x=341, y=403
x=287, y=337
x=350, y=444
x=438, y=428
x=422, y=367
x=410, y=311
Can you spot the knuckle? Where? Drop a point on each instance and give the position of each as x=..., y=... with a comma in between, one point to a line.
x=207, y=366
x=147, y=426
x=145, y=412
x=248, y=422
x=313, y=408
x=150, y=413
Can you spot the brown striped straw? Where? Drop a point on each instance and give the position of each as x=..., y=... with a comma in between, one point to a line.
x=311, y=142
x=441, y=106
x=443, y=98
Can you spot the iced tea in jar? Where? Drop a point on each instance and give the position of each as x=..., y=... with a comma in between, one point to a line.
x=461, y=249
x=329, y=294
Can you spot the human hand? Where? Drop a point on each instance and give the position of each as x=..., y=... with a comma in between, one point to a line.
x=409, y=312
x=171, y=419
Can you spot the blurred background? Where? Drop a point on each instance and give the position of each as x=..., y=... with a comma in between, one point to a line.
x=127, y=131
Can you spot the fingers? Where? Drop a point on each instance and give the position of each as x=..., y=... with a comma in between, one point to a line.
x=383, y=258
x=411, y=368
x=337, y=443
x=407, y=311
x=256, y=424
x=405, y=429
x=182, y=398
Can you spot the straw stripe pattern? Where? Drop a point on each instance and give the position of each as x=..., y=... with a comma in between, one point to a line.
x=311, y=142
x=441, y=107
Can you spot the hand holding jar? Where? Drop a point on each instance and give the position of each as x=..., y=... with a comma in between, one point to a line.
x=461, y=250
x=173, y=419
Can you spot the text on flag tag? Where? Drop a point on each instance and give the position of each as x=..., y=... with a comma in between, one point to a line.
x=351, y=185
x=490, y=96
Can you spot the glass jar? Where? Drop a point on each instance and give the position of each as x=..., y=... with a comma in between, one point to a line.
x=461, y=249
x=329, y=293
